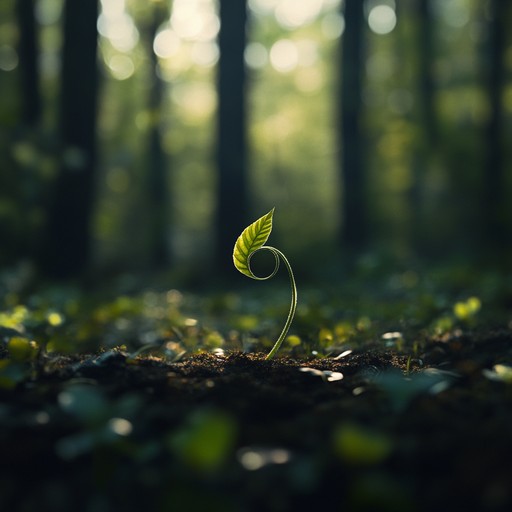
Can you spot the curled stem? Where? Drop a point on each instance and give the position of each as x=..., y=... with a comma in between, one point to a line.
x=278, y=255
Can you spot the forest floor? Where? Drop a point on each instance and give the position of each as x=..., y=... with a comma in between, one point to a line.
x=391, y=395
x=368, y=430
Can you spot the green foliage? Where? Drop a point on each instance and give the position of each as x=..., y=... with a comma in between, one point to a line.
x=398, y=309
x=358, y=446
x=21, y=349
x=248, y=243
x=206, y=441
x=466, y=310
x=500, y=373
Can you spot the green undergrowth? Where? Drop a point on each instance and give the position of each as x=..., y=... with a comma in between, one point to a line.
x=330, y=410
x=397, y=310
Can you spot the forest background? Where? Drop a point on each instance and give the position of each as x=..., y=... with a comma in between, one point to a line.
x=138, y=138
x=142, y=136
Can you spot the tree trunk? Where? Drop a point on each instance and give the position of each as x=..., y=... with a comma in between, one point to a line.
x=355, y=230
x=157, y=161
x=494, y=229
x=232, y=193
x=426, y=121
x=425, y=81
x=68, y=241
x=27, y=48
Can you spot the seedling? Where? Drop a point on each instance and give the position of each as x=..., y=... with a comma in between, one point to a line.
x=252, y=240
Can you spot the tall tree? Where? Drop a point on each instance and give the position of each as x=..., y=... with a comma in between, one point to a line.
x=68, y=239
x=355, y=225
x=24, y=190
x=157, y=160
x=425, y=75
x=495, y=232
x=231, y=130
x=28, y=54
x=424, y=116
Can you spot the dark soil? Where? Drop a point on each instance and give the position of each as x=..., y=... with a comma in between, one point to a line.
x=399, y=432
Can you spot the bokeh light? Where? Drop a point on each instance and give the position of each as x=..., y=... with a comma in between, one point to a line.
x=197, y=99
x=166, y=43
x=262, y=6
x=291, y=14
x=121, y=66
x=113, y=8
x=47, y=12
x=8, y=58
x=256, y=55
x=118, y=27
x=195, y=20
x=118, y=180
x=456, y=13
x=382, y=19
x=204, y=53
x=309, y=80
x=308, y=52
x=284, y=55
x=333, y=25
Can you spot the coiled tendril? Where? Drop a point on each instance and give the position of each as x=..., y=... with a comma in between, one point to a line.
x=278, y=256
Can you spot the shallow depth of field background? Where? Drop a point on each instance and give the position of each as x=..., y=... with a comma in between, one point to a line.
x=425, y=119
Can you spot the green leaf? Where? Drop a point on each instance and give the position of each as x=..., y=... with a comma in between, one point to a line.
x=251, y=240
x=253, y=237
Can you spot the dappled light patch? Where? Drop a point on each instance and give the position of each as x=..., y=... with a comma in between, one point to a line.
x=254, y=458
x=343, y=354
x=120, y=426
x=326, y=375
x=500, y=373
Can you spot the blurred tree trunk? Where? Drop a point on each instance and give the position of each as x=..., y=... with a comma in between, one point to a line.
x=354, y=206
x=157, y=161
x=28, y=183
x=494, y=228
x=68, y=240
x=425, y=119
x=28, y=54
x=232, y=194
x=425, y=80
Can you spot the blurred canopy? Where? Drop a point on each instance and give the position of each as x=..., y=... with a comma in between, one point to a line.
x=138, y=135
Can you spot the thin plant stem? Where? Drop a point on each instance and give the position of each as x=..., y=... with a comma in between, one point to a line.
x=278, y=255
